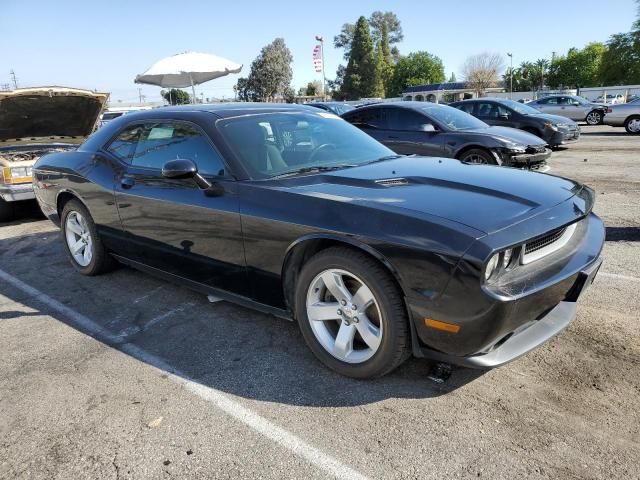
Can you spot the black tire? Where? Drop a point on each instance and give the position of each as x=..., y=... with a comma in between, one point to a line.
x=395, y=338
x=7, y=211
x=627, y=124
x=101, y=261
x=594, y=117
x=478, y=156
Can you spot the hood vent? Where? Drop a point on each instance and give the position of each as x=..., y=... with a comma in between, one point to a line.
x=392, y=182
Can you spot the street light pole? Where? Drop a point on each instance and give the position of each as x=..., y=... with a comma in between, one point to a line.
x=510, y=55
x=321, y=40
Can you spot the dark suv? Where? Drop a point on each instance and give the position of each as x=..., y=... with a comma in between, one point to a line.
x=554, y=129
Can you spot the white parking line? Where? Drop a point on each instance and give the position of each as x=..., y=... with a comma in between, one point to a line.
x=232, y=408
x=620, y=277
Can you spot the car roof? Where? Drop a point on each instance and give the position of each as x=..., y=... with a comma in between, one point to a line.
x=408, y=104
x=232, y=109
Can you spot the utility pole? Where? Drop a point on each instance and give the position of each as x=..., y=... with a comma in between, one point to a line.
x=510, y=55
x=321, y=40
x=13, y=77
x=140, y=95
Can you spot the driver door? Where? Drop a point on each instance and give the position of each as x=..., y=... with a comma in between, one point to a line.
x=172, y=224
x=406, y=134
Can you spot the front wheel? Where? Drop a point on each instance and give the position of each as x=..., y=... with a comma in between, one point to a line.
x=351, y=314
x=83, y=246
x=478, y=156
x=594, y=118
x=632, y=125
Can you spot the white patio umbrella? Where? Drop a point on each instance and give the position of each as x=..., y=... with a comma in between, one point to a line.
x=187, y=69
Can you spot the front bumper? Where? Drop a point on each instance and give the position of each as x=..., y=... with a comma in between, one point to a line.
x=16, y=193
x=531, y=161
x=499, y=325
x=565, y=136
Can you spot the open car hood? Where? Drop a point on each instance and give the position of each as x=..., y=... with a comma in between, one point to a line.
x=49, y=113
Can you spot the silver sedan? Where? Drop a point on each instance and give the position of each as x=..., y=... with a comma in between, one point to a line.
x=625, y=115
x=571, y=106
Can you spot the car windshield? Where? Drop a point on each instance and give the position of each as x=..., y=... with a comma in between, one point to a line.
x=274, y=144
x=452, y=117
x=341, y=108
x=519, y=107
x=582, y=101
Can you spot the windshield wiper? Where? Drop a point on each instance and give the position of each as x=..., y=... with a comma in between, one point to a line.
x=384, y=159
x=314, y=169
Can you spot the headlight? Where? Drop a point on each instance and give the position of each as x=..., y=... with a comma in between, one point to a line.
x=16, y=174
x=500, y=262
x=552, y=126
x=516, y=147
x=491, y=267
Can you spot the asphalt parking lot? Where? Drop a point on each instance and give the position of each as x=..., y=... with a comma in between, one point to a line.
x=125, y=376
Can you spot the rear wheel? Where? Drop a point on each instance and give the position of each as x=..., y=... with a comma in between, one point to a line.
x=6, y=211
x=351, y=314
x=83, y=245
x=478, y=156
x=632, y=125
x=594, y=117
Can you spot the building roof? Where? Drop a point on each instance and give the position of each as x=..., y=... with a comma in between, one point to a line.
x=437, y=86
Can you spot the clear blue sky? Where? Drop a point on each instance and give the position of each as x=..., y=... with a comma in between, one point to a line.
x=104, y=44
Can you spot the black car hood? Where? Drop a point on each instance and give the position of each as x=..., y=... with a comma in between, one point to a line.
x=485, y=198
x=508, y=133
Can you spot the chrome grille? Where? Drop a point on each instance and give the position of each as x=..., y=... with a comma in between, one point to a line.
x=541, y=242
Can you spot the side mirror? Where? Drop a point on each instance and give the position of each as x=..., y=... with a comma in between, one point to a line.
x=427, y=127
x=179, y=168
x=182, y=168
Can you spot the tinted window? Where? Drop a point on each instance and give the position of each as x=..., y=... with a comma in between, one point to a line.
x=491, y=110
x=452, y=117
x=548, y=101
x=369, y=117
x=161, y=142
x=404, y=119
x=125, y=144
x=466, y=107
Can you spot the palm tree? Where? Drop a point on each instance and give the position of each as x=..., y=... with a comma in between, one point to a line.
x=541, y=67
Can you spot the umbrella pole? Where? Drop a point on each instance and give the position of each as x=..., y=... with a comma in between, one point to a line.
x=193, y=90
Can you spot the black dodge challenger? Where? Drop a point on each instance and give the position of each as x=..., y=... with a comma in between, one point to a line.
x=295, y=212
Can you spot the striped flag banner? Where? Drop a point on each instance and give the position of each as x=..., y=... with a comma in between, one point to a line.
x=317, y=58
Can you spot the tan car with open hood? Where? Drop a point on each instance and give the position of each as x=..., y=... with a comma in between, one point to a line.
x=36, y=121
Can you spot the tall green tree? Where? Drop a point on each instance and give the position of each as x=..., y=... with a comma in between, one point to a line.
x=175, y=96
x=385, y=63
x=270, y=74
x=621, y=61
x=379, y=22
x=360, y=74
x=380, y=73
x=417, y=68
x=578, y=68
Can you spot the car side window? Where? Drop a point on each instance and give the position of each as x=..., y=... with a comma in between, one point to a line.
x=406, y=120
x=466, y=107
x=164, y=141
x=549, y=101
x=565, y=101
x=370, y=117
x=124, y=145
x=484, y=109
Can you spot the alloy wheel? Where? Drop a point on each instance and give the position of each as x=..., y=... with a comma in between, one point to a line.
x=475, y=158
x=594, y=118
x=634, y=125
x=344, y=316
x=78, y=238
